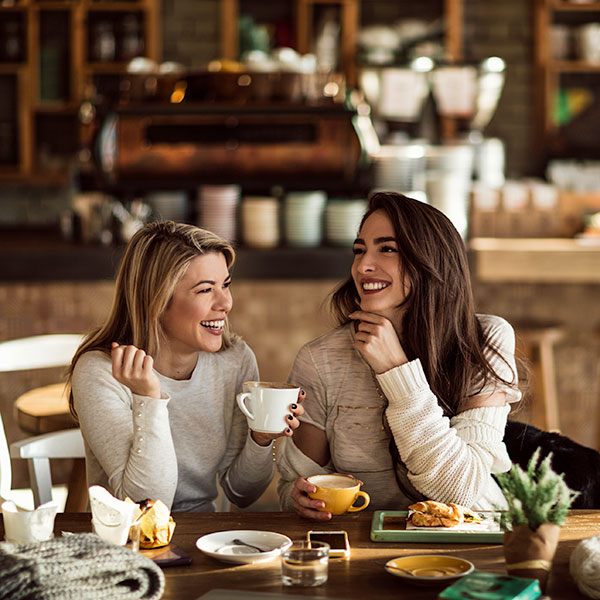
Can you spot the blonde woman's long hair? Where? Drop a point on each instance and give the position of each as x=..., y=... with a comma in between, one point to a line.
x=154, y=261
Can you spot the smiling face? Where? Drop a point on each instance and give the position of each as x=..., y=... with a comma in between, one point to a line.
x=195, y=317
x=377, y=270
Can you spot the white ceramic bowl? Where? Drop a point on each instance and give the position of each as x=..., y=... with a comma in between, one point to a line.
x=219, y=545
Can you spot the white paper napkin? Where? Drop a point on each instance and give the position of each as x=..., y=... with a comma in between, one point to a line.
x=111, y=517
x=24, y=526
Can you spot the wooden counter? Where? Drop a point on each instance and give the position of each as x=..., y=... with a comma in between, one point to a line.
x=45, y=258
x=544, y=260
x=561, y=260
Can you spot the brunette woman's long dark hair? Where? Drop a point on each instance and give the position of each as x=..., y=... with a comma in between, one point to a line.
x=439, y=325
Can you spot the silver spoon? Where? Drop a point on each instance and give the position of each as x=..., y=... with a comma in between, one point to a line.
x=239, y=542
x=394, y=567
x=400, y=569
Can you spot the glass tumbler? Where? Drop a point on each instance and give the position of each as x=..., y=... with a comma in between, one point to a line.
x=305, y=564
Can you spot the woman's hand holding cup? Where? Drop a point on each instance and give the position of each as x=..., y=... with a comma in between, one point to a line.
x=272, y=409
x=321, y=496
x=304, y=505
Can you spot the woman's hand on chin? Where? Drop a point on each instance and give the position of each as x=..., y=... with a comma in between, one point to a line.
x=133, y=367
x=377, y=341
x=296, y=410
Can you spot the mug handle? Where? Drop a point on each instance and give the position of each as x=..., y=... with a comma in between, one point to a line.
x=240, y=400
x=364, y=505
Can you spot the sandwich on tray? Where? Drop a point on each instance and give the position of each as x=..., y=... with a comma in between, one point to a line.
x=431, y=513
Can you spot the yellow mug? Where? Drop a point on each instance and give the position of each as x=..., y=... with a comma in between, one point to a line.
x=339, y=492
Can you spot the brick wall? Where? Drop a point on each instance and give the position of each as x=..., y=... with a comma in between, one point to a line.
x=277, y=317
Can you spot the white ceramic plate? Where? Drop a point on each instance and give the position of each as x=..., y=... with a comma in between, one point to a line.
x=220, y=545
x=427, y=569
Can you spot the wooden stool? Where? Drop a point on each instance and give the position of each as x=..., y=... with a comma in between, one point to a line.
x=536, y=341
x=46, y=409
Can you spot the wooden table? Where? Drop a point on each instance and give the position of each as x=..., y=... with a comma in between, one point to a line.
x=46, y=409
x=362, y=576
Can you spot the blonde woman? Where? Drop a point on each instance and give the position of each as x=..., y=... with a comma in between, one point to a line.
x=154, y=388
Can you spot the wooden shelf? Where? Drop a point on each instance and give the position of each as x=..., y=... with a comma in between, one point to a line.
x=106, y=67
x=116, y=6
x=24, y=257
x=349, y=11
x=34, y=178
x=55, y=107
x=552, y=261
x=573, y=66
x=9, y=68
x=56, y=5
x=12, y=9
x=60, y=54
x=548, y=72
x=548, y=260
x=303, y=13
x=562, y=6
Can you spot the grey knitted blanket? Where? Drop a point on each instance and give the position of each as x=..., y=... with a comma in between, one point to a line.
x=79, y=566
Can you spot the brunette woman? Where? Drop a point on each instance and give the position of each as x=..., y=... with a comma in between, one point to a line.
x=154, y=388
x=411, y=392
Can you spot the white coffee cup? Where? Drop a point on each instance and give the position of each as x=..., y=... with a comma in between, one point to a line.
x=267, y=405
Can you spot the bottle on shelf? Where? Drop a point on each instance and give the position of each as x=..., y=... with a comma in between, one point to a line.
x=105, y=44
x=12, y=43
x=132, y=43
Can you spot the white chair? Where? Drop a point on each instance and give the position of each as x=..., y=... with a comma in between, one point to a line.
x=38, y=352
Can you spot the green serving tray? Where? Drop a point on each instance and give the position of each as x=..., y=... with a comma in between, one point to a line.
x=379, y=534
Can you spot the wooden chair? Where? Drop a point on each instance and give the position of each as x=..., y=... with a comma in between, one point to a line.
x=37, y=451
x=536, y=341
x=38, y=352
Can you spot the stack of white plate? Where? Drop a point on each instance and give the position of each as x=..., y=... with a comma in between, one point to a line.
x=400, y=168
x=169, y=205
x=260, y=221
x=343, y=220
x=304, y=218
x=217, y=206
x=448, y=181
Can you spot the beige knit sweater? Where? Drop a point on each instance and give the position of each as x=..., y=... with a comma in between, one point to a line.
x=450, y=460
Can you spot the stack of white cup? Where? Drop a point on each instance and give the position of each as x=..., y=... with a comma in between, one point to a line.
x=260, y=221
x=217, y=206
x=304, y=218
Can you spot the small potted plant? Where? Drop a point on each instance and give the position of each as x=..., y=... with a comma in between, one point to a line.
x=538, y=503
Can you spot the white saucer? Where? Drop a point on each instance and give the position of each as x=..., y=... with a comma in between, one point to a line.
x=220, y=545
